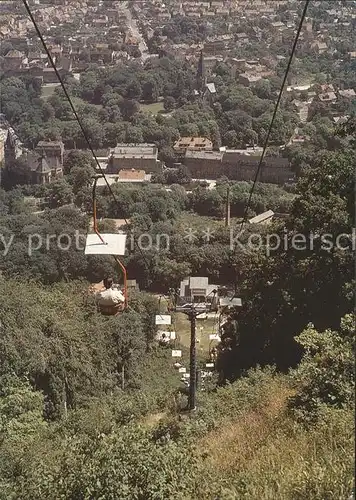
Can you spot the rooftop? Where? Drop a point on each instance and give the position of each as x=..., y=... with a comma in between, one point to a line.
x=251, y=78
x=198, y=282
x=211, y=88
x=50, y=144
x=207, y=155
x=15, y=54
x=193, y=142
x=347, y=93
x=133, y=150
x=327, y=96
x=262, y=217
x=42, y=167
x=115, y=178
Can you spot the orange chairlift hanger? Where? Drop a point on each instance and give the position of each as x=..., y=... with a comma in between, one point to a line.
x=107, y=244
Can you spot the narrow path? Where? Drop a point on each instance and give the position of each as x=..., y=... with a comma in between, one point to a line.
x=246, y=433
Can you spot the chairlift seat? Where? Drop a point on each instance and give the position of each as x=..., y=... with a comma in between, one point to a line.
x=107, y=244
x=113, y=310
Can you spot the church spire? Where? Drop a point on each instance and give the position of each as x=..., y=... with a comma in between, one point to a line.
x=10, y=140
x=201, y=74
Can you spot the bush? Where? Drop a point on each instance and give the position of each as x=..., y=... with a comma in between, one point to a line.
x=326, y=375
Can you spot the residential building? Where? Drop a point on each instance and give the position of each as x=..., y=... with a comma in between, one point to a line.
x=237, y=166
x=101, y=53
x=14, y=60
x=44, y=164
x=215, y=47
x=248, y=79
x=53, y=151
x=134, y=156
x=237, y=65
x=348, y=93
x=319, y=46
x=241, y=38
x=327, y=87
x=329, y=97
x=42, y=174
x=196, y=290
x=192, y=144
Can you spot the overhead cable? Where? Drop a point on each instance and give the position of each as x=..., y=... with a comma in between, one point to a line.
x=76, y=114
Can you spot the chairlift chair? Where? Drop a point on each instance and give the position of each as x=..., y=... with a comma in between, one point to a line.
x=107, y=244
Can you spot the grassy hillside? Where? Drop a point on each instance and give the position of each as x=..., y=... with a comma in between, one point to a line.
x=240, y=443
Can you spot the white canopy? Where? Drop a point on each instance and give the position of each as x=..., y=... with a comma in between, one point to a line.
x=114, y=244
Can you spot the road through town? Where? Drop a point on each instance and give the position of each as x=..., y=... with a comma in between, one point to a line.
x=132, y=22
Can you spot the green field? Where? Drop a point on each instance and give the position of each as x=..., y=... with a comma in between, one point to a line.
x=197, y=222
x=181, y=325
x=200, y=222
x=204, y=327
x=46, y=91
x=153, y=108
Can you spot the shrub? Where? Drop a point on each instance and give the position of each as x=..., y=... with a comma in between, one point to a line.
x=326, y=375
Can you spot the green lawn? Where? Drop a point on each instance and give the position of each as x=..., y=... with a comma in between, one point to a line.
x=198, y=222
x=153, y=108
x=46, y=92
x=204, y=327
